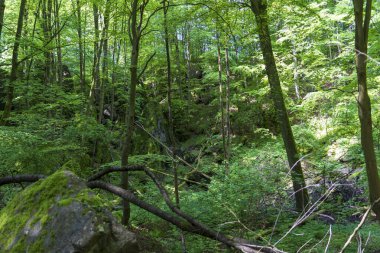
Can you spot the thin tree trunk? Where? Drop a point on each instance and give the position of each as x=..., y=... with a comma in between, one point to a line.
x=115, y=62
x=25, y=34
x=59, y=49
x=104, y=81
x=134, y=29
x=51, y=60
x=188, y=61
x=221, y=104
x=45, y=28
x=30, y=63
x=169, y=94
x=364, y=103
x=2, y=10
x=178, y=63
x=228, y=122
x=77, y=9
x=295, y=71
x=94, y=91
x=82, y=79
x=259, y=8
x=13, y=75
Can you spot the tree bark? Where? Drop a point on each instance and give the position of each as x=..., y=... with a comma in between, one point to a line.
x=295, y=71
x=259, y=8
x=20, y=179
x=46, y=27
x=104, y=80
x=135, y=35
x=58, y=38
x=364, y=103
x=221, y=104
x=2, y=10
x=13, y=75
x=82, y=76
x=30, y=62
x=188, y=60
x=95, y=86
x=179, y=73
x=228, y=121
x=165, y=4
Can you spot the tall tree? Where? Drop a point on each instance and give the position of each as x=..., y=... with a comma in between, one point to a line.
x=95, y=86
x=2, y=10
x=165, y=5
x=82, y=71
x=259, y=8
x=364, y=103
x=15, y=63
x=136, y=27
x=57, y=24
x=104, y=44
x=47, y=31
x=221, y=103
x=228, y=120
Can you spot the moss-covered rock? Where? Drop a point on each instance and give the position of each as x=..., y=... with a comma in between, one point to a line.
x=60, y=214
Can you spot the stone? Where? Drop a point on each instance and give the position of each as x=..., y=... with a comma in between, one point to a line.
x=60, y=214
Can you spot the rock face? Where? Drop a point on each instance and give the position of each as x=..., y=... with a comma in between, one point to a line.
x=60, y=214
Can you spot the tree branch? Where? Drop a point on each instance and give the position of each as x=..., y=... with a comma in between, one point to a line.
x=189, y=227
x=145, y=66
x=20, y=179
x=200, y=228
x=109, y=170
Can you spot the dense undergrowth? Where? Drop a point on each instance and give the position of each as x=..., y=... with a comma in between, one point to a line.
x=51, y=127
x=254, y=200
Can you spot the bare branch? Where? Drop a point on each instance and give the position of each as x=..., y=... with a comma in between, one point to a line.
x=358, y=227
x=20, y=179
x=104, y=172
x=200, y=228
x=192, y=227
x=145, y=66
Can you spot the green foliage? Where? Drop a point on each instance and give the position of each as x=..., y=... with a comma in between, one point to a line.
x=51, y=127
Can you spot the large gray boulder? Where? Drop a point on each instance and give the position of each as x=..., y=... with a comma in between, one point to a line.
x=60, y=214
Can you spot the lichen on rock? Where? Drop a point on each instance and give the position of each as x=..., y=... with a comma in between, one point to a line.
x=60, y=214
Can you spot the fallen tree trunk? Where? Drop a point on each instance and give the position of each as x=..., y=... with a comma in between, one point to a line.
x=20, y=179
x=179, y=219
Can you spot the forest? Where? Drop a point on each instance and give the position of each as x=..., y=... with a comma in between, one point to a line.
x=197, y=126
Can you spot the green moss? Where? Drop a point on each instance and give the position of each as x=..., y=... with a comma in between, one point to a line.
x=36, y=200
x=36, y=204
x=65, y=202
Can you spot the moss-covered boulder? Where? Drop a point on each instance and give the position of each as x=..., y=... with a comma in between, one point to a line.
x=60, y=214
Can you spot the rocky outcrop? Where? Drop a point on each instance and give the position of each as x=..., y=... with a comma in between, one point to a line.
x=60, y=214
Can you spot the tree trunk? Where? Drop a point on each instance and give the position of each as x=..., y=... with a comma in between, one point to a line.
x=188, y=61
x=46, y=27
x=259, y=8
x=228, y=121
x=135, y=35
x=295, y=71
x=30, y=62
x=221, y=104
x=51, y=61
x=178, y=65
x=13, y=75
x=95, y=86
x=58, y=38
x=82, y=78
x=169, y=95
x=2, y=10
x=115, y=62
x=364, y=103
x=104, y=80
